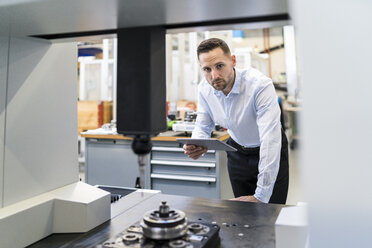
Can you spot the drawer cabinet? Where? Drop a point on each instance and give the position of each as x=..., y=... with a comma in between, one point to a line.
x=172, y=172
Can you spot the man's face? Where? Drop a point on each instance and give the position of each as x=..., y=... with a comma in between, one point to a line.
x=218, y=69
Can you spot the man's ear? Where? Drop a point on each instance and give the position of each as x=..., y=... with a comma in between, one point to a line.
x=233, y=58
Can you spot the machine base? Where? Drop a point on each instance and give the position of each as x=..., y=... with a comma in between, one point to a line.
x=204, y=236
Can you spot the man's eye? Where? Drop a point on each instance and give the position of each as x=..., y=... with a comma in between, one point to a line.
x=219, y=66
x=207, y=69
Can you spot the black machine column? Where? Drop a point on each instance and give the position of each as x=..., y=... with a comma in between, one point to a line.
x=141, y=85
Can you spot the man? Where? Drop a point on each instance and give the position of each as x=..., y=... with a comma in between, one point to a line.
x=244, y=102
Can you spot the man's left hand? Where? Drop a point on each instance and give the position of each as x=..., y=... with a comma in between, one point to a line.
x=247, y=198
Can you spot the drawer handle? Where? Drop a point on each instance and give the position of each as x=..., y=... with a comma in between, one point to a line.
x=180, y=163
x=173, y=149
x=184, y=178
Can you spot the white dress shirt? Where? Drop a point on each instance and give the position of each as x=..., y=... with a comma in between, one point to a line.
x=251, y=114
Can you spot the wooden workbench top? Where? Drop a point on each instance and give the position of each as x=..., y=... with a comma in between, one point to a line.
x=166, y=136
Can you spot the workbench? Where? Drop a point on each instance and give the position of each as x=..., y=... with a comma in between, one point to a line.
x=243, y=224
x=109, y=160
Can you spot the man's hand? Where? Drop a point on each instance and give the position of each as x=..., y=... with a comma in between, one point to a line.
x=247, y=198
x=193, y=151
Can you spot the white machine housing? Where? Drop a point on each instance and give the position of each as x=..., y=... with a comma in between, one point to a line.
x=40, y=192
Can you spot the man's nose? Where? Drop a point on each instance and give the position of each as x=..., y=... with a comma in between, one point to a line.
x=214, y=74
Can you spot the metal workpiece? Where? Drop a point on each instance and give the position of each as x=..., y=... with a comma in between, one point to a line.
x=164, y=223
x=198, y=228
x=166, y=228
x=127, y=239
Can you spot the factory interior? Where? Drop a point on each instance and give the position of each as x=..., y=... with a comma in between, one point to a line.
x=96, y=98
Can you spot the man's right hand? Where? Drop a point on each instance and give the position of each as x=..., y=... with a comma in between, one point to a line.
x=193, y=151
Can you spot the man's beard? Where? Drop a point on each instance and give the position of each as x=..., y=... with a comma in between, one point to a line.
x=221, y=84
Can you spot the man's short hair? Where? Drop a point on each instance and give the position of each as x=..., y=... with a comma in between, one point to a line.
x=212, y=43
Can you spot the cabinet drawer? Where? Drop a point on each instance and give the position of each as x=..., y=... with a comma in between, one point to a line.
x=163, y=152
x=183, y=168
x=204, y=187
x=169, y=155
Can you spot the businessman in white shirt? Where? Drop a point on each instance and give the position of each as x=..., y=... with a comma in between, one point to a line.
x=244, y=102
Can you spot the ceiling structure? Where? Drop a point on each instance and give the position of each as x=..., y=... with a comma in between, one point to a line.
x=56, y=18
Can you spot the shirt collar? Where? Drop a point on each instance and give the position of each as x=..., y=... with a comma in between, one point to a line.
x=236, y=86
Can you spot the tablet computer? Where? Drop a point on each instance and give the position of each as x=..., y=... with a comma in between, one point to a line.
x=211, y=144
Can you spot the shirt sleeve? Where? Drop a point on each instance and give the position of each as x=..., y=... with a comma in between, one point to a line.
x=269, y=127
x=204, y=123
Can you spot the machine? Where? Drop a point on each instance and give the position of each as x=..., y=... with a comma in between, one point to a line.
x=39, y=188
